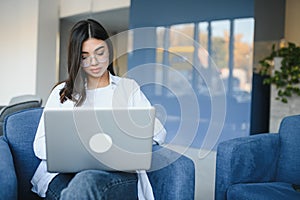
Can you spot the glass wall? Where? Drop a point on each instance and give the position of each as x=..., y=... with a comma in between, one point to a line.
x=197, y=72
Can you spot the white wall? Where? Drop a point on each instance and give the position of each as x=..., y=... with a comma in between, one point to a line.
x=29, y=42
x=47, y=47
x=28, y=50
x=18, y=41
x=74, y=7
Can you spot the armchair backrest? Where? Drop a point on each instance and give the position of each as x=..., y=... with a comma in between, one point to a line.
x=19, y=131
x=289, y=159
x=18, y=103
x=25, y=98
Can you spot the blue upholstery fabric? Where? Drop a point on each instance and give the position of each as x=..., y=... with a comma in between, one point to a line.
x=257, y=165
x=289, y=160
x=18, y=163
x=263, y=191
x=239, y=159
x=19, y=131
x=7, y=172
x=18, y=103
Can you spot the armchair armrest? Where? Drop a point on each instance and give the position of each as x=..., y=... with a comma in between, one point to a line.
x=246, y=159
x=8, y=178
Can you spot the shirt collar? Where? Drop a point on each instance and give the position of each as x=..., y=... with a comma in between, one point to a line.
x=113, y=80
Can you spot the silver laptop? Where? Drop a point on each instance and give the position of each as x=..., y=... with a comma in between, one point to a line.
x=106, y=139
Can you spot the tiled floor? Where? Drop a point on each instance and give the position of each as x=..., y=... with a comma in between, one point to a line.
x=205, y=171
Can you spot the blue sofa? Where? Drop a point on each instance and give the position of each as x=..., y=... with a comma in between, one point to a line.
x=18, y=163
x=264, y=166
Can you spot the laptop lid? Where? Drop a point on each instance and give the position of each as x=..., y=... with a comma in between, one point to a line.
x=99, y=138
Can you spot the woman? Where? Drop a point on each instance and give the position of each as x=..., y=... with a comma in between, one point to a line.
x=91, y=82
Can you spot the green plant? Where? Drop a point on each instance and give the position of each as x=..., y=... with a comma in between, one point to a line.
x=287, y=78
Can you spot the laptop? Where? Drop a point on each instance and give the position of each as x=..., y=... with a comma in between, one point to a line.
x=113, y=139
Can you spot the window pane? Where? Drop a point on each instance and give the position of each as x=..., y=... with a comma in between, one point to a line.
x=181, y=51
x=220, y=43
x=243, y=52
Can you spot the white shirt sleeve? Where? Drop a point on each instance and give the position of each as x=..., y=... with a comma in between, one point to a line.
x=139, y=99
x=42, y=177
x=39, y=145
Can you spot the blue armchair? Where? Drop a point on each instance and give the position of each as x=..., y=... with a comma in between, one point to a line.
x=17, y=103
x=264, y=166
x=18, y=163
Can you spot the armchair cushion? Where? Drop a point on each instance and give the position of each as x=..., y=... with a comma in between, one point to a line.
x=246, y=159
x=275, y=191
x=7, y=172
x=20, y=131
x=289, y=160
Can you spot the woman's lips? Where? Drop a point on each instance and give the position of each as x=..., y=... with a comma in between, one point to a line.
x=96, y=70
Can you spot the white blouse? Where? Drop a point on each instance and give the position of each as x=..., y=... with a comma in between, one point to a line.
x=120, y=92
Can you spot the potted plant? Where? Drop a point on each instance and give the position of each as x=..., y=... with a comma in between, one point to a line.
x=286, y=77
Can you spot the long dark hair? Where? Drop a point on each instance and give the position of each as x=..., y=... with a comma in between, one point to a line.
x=75, y=85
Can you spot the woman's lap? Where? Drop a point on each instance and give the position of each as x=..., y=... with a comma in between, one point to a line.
x=93, y=184
x=59, y=182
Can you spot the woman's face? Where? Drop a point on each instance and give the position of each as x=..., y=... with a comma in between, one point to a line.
x=94, y=57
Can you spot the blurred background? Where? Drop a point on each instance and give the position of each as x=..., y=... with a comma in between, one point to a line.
x=212, y=46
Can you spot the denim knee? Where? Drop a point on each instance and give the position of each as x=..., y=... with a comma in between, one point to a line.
x=173, y=168
x=96, y=184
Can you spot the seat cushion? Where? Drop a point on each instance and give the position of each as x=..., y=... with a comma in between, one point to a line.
x=20, y=129
x=262, y=191
x=289, y=159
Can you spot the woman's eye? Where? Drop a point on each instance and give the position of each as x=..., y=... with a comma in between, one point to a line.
x=100, y=53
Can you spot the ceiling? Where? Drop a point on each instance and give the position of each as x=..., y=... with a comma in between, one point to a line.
x=114, y=21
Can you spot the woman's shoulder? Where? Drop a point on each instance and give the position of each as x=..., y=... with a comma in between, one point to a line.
x=122, y=80
x=56, y=89
x=54, y=98
x=59, y=86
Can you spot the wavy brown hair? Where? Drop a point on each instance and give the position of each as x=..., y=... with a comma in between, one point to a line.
x=74, y=88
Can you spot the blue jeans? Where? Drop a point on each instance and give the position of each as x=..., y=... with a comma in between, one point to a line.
x=93, y=184
x=174, y=181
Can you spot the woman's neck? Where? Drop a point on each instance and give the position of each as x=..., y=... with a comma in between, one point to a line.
x=103, y=81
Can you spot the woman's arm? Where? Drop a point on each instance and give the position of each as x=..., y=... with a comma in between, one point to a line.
x=139, y=99
x=39, y=145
